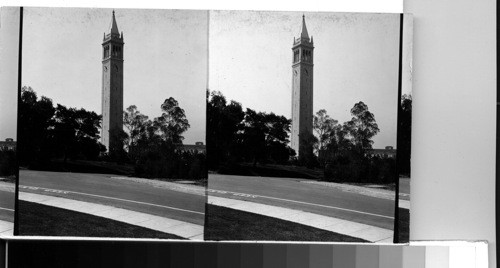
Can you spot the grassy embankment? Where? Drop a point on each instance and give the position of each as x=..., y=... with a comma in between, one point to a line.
x=37, y=219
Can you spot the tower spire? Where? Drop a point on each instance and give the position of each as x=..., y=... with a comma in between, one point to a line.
x=304, y=33
x=113, y=27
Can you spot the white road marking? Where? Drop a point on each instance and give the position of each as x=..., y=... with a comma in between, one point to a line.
x=299, y=202
x=107, y=197
x=7, y=209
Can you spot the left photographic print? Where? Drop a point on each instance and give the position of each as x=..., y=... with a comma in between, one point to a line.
x=9, y=51
x=111, y=138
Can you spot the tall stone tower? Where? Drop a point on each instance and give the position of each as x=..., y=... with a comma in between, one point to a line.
x=112, y=86
x=302, y=93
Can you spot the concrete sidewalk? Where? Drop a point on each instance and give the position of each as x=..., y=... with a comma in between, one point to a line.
x=166, y=225
x=363, y=231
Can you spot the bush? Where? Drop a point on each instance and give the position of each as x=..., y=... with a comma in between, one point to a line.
x=8, y=163
x=164, y=160
x=349, y=167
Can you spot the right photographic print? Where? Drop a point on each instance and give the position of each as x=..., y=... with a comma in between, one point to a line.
x=309, y=126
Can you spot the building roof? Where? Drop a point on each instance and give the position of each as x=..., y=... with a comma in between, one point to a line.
x=113, y=27
x=190, y=147
x=9, y=143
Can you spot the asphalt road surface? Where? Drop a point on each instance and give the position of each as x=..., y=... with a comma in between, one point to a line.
x=7, y=200
x=294, y=194
x=126, y=194
x=404, y=186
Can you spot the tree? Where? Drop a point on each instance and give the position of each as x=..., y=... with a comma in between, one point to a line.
x=323, y=126
x=156, y=146
x=75, y=133
x=265, y=137
x=135, y=122
x=254, y=136
x=307, y=157
x=8, y=162
x=277, y=138
x=47, y=132
x=173, y=122
x=116, y=150
x=346, y=157
x=362, y=127
x=35, y=118
x=224, y=122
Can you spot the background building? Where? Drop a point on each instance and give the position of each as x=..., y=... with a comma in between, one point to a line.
x=8, y=145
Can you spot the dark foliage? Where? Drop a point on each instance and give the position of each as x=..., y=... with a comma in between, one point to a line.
x=59, y=138
x=8, y=163
x=235, y=136
x=116, y=150
x=47, y=132
x=35, y=118
x=351, y=167
x=224, y=122
x=345, y=154
x=155, y=147
x=264, y=138
x=343, y=151
x=162, y=159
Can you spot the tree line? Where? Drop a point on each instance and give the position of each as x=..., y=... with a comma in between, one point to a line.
x=8, y=163
x=234, y=135
x=152, y=147
x=47, y=131
x=155, y=146
x=342, y=151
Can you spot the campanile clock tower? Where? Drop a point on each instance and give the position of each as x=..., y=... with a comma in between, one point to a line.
x=112, y=86
x=302, y=93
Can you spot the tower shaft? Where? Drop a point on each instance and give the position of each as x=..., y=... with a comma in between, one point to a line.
x=302, y=94
x=112, y=88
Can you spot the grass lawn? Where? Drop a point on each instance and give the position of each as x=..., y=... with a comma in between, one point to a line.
x=84, y=166
x=228, y=224
x=36, y=219
x=404, y=225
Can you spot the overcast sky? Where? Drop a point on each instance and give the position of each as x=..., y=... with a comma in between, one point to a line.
x=355, y=59
x=9, y=42
x=165, y=55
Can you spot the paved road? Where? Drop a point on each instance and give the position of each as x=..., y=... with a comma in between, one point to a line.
x=7, y=199
x=126, y=194
x=293, y=194
x=404, y=185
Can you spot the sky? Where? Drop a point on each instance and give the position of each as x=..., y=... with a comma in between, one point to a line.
x=355, y=59
x=165, y=55
x=9, y=51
